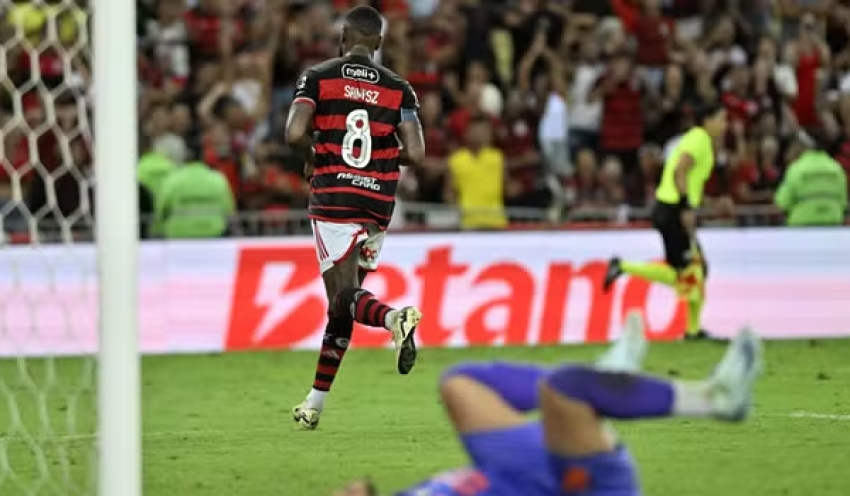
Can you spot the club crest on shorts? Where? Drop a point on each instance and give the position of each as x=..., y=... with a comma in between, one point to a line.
x=368, y=254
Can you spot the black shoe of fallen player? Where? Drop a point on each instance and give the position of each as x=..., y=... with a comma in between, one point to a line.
x=703, y=335
x=614, y=271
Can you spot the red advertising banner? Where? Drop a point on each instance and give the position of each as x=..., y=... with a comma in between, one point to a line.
x=474, y=290
x=433, y=275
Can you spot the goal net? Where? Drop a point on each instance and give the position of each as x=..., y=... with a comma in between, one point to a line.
x=48, y=276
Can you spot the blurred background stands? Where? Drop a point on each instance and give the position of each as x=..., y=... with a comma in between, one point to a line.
x=577, y=100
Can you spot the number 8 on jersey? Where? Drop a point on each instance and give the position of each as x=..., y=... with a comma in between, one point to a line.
x=357, y=142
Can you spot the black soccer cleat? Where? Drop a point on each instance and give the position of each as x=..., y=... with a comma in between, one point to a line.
x=404, y=333
x=613, y=272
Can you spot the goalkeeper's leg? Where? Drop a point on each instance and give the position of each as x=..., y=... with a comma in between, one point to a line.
x=725, y=395
x=486, y=403
x=586, y=458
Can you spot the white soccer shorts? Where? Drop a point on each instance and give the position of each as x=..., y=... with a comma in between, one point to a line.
x=335, y=242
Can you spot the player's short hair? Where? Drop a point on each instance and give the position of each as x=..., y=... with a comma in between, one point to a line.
x=365, y=20
x=706, y=111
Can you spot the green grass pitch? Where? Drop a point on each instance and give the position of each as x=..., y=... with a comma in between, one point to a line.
x=220, y=425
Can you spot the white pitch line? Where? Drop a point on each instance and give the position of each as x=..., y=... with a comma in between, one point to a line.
x=819, y=416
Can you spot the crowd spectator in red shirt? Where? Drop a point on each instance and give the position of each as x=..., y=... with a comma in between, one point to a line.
x=49, y=64
x=279, y=184
x=166, y=48
x=204, y=23
x=65, y=145
x=218, y=153
x=628, y=11
x=467, y=99
x=810, y=54
x=655, y=36
x=621, y=91
x=396, y=49
x=668, y=113
x=18, y=168
x=640, y=188
x=217, y=77
x=741, y=107
x=792, y=12
x=690, y=17
x=585, y=115
x=611, y=181
x=516, y=136
x=721, y=45
x=552, y=116
x=446, y=32
x=755, y=179
x=700, y=87
x=35, y=142
x=425, y=73
x=583, y=189
x=764, y=91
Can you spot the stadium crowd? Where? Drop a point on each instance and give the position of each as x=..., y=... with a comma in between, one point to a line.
x=578, y=98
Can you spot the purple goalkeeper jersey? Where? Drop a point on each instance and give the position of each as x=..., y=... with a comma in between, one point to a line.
x=515, y=462
x=469, y=482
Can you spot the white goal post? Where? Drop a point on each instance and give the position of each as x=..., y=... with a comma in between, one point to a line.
x=70, y=394
x=117, y=235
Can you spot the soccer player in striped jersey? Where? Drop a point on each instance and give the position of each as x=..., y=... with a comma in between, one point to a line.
x=572, y=450
x=349, y=117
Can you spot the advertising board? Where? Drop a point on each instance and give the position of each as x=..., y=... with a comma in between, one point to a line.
x=474, y=289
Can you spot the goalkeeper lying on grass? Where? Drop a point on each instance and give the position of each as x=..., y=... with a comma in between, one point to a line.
x=572, y=450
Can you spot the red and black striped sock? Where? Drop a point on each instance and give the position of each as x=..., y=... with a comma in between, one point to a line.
x=363, y=306
x=334, y=345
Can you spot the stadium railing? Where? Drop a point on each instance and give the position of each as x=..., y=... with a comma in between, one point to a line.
x=420, y=217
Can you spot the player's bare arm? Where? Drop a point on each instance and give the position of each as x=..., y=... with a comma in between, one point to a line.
x=685, y=165
x=299, y=126
x=409, y=131
x=412, y=138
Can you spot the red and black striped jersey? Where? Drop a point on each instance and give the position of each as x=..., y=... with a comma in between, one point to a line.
x=359, y=107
